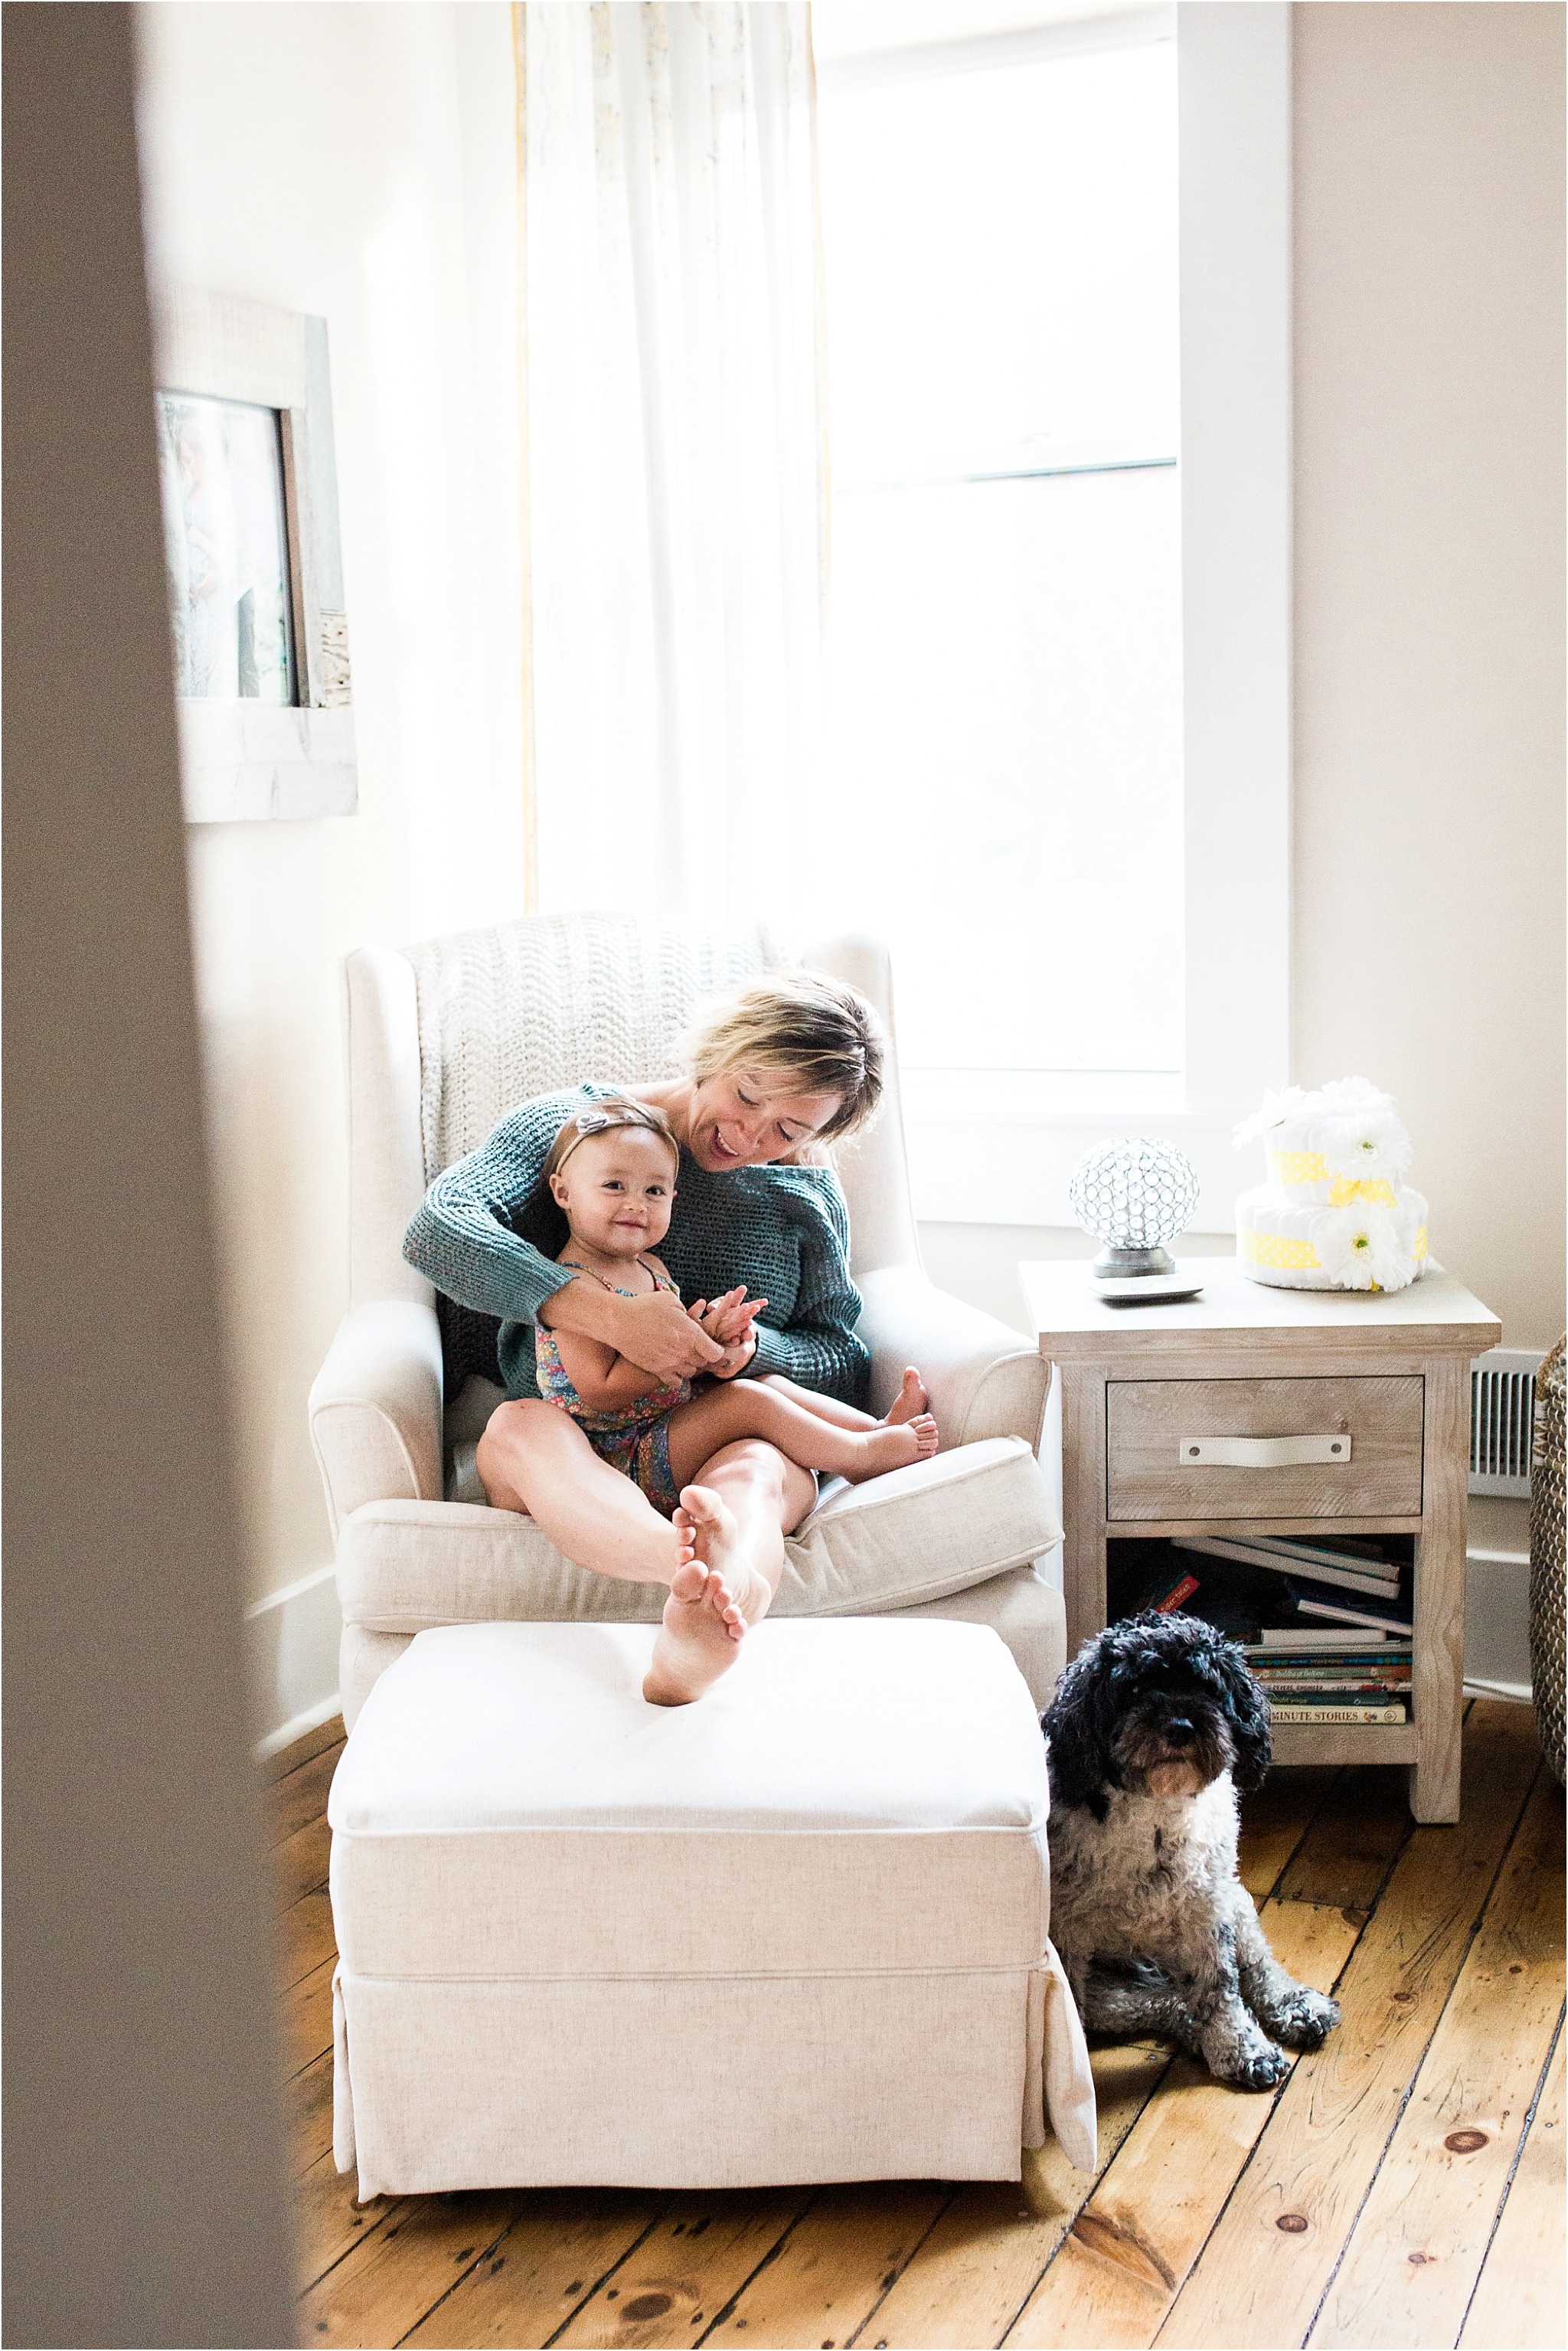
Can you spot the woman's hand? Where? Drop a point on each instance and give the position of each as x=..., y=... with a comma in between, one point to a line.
x=654, y=1333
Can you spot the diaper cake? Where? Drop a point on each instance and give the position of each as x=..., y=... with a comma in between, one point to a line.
x=1334, y=1214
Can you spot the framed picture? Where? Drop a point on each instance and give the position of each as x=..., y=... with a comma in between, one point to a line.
x=255, y=576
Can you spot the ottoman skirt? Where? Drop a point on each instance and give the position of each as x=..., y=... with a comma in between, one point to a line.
x=796, y=1932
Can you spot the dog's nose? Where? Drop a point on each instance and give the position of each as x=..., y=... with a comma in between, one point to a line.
x=1180, y=1732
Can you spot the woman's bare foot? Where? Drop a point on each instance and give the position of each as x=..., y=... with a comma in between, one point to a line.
x=697, y=1642
x=705, y=1526
x=892, y=1448
x=911, y=1400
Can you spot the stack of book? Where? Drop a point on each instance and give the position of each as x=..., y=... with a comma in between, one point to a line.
x=1325, y=1622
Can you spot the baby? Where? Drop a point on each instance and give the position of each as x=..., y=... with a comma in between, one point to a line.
x=611, y=1174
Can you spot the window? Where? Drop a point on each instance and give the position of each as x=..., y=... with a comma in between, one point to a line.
x=1058, y=742
x=1004, y=711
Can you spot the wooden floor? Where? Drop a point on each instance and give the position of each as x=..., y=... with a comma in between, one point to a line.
x=1403, y=2186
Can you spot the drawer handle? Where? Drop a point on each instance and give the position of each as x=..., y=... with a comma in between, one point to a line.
x=1259, y=1452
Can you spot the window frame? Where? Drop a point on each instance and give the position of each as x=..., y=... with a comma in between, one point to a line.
x=1233, y=73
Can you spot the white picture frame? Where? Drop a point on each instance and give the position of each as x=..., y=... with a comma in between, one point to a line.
x=287, y=750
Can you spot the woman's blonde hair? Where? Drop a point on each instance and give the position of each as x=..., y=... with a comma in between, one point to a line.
x=802, y=1025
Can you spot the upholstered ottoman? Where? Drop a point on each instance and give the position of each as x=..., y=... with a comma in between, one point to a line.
x=795, y=1932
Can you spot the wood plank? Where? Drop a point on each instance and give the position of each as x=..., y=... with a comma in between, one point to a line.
x=1523, y=2288
x=308, y=2019
x=563, y=2244
x=293, y=1802
x=1363, y=1744
x=1084, y=1501
x=1414, y=2256
x=1263, y=2273
x=1123, y=2261
x=305, y=1937
x=329, y=1733
x=386, y=2284
x=969, y=2280
x=1236, y=1317
x=300, y=1862
x=686, y=2270
x=1355, y=1840
x=1439, y=1628
x=328, y=2222
x=1302, y=1526
x=309, y=2097
x=833, y=2266
x=1273, y=1822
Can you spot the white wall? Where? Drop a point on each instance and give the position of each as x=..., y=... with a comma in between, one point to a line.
x=359, y=161
x=1429, y=607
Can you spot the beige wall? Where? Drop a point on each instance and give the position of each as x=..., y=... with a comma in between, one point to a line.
x=145, y=2171
x=1429, y=607
x=356, y=161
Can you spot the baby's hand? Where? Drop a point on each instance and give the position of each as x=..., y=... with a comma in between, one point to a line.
x=730, y=1322
x=736, y=1356
x=728, y=1319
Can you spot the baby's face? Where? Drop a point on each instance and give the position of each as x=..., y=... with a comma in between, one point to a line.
x=616, y=1191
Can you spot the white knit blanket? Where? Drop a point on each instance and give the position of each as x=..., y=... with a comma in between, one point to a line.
x=527, y=1007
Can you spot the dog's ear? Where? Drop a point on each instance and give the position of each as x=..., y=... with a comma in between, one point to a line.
x=1079, y=1761
x=1248, y=1706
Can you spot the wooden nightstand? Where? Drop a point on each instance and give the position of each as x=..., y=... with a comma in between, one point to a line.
x=1244, y=1360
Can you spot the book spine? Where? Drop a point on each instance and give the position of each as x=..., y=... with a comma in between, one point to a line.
x=1340, y=1714
x=1311, y=1685
x=1179, y=1592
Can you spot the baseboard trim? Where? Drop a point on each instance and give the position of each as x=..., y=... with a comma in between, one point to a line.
x=291, y=1640
x=287, y=1732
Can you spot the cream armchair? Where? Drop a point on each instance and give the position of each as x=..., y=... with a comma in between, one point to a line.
x=445, y=1037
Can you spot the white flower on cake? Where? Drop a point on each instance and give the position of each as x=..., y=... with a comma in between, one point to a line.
x=1288, y=1102
x=1359, y=1249
x=1358, y=1133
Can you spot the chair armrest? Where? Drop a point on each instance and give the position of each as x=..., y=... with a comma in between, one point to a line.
x=984, y=1379
x=375, y=1409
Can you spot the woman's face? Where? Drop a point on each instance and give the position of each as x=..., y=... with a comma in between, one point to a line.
x=744, y=1118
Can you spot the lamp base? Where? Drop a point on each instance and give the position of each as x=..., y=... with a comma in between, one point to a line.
x=1124, y=1264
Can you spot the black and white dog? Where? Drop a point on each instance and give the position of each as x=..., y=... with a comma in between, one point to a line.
x=1155, y=1727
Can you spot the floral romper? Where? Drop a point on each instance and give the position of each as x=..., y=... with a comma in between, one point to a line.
x=636, y=1439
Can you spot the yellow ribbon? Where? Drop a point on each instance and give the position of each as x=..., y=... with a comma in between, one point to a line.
x=1346, y=1189
x=1297, y=1167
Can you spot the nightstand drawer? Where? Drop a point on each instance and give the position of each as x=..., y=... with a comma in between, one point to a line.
x=1155, y=1446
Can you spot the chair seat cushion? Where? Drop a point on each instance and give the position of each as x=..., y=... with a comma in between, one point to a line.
x=862, y=1794
x=915, y=1534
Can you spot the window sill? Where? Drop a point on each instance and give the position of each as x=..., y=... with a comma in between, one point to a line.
x=990, y=1162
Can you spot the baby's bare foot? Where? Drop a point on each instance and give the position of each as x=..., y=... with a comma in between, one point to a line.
x=911, y=1400
x=895, y=1448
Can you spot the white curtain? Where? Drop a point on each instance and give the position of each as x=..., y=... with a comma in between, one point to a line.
x=675, y=489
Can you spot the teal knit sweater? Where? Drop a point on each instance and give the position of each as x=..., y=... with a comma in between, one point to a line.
x=783, y=1231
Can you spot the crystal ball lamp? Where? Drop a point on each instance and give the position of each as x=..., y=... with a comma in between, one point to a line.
x=1134, y=1197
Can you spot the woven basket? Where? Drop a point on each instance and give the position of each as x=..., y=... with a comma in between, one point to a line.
x=1546, y=1530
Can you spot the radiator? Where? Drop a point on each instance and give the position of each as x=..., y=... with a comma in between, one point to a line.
x=1502, y=1416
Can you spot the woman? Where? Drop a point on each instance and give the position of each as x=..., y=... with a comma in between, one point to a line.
x=775, y=1072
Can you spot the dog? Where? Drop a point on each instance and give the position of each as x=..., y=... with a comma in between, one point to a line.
x=1156, y=1727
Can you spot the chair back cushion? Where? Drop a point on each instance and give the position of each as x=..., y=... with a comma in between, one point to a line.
x=525, y=1008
